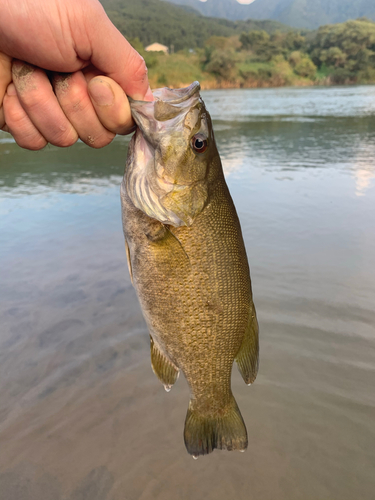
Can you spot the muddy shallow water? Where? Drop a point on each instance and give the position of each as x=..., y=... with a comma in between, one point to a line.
x=82, y=416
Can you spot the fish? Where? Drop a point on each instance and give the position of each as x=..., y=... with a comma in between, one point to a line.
x=188, y=264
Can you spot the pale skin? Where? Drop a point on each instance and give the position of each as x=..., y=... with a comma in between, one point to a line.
x=65, y=73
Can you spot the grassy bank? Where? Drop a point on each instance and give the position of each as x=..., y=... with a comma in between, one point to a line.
x=179, y=70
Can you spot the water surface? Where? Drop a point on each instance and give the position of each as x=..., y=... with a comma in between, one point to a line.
x=81, y=414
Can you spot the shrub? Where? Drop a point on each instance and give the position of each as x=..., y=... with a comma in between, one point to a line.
x=222, y=63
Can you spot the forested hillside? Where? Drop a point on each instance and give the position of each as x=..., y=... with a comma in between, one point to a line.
x=158, y=21
x=221, y=53
x=298, y=13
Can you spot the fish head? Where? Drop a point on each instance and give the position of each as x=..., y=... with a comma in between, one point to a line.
x=170, y=155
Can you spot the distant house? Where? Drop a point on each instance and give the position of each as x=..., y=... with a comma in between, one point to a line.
x=157, y=47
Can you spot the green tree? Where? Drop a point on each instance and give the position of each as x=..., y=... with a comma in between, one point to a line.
x=223, y=42
x=294, y=41
x=350, y=46
x=305, y=68
x=222, y=63
x=254, y=39
x=333, y=56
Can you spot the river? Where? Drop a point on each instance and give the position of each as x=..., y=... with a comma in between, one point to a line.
x=82, y=416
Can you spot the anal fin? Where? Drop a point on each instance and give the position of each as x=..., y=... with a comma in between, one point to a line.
x=248, y=356
x=163, y=368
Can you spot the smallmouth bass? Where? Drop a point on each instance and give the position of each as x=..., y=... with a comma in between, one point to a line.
x=188, y=264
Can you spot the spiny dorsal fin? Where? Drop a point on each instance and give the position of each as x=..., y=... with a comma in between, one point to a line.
x=248, y=356
x=163, y=368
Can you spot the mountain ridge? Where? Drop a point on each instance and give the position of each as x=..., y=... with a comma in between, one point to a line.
x=296, y=13
x=176, y=26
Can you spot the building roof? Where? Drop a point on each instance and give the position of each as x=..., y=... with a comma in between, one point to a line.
x=156, y=47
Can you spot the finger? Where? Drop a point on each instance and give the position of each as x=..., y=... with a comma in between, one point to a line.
x=19, y=124
x=72, y=94
x=111, y=105
x=37, y=98
x=113, y=55
x=5, y=79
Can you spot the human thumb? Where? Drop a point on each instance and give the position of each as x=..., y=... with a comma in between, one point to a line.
x=113, y=55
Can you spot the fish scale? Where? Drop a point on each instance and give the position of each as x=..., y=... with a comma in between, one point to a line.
x=192, y=276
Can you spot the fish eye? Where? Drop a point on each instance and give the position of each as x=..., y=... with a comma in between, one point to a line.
x=199, y=143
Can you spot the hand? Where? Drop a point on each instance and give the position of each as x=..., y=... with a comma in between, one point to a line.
x=71, y=36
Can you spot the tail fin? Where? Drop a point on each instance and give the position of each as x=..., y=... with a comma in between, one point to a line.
x=205, y=433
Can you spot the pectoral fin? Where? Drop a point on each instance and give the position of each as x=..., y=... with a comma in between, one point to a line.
x=163, y=368
x=170, y=254
x=248, y=356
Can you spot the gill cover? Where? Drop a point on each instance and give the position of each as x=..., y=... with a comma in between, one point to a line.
x=165, y=174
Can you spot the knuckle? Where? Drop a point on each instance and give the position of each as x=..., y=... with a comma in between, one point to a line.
x=24, y=133
x=99, y=141
x=32, y=141
x=74, y=100
x=36, y=145
x=77, y=104
x=64, y=138
x=27, y=90
x=31, y=100
x=68, y=142
x=14, y=114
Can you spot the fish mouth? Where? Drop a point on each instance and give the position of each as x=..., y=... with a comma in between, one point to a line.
x=176, y=96
x=172, y=96
x=167, y=111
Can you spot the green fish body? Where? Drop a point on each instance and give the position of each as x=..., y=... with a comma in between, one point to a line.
x=188, y=264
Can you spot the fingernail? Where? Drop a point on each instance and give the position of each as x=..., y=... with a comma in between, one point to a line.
x=143, y=97
x=149, y=95
x=11, y=89
x=101, y=92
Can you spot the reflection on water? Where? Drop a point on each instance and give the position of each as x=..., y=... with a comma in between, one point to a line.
x=82, y=415
x=364, y=180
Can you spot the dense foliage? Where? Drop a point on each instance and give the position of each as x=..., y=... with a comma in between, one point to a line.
x=346, y=50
